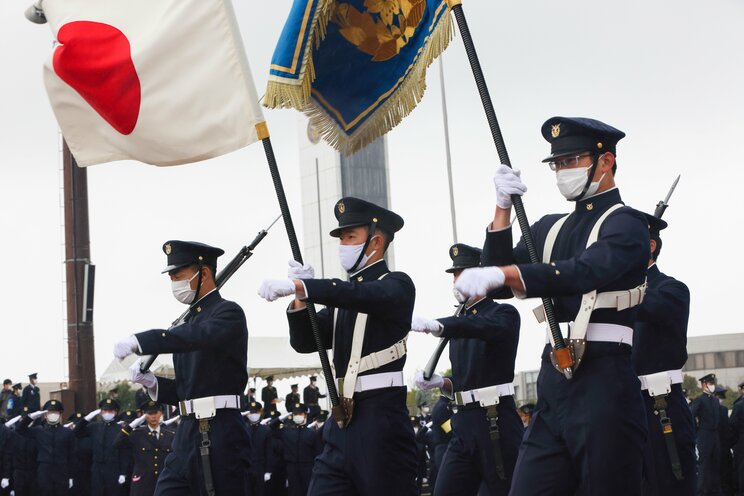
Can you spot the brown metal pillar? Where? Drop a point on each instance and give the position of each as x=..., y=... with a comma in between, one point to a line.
x=81, y=353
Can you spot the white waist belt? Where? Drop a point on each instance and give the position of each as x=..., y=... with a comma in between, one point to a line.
x=374, y=381
x=207, y=407
x=660, y=383
x=612, y=333
x=486, y=396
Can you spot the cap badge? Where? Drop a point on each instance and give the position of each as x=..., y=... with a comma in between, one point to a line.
x=54, y=402
x=455, y=251
x=168, y=249
x=555, y=131
x=341, y=207
x=589, y=206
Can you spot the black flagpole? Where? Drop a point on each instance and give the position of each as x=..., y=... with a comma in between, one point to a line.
x=263, y=135
x=563, y=354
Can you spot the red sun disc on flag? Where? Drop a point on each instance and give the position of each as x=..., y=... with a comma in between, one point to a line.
x=95, y=60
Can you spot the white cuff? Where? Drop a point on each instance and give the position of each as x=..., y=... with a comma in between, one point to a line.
x=439, y=332
x=153, y=392
x=295, y=310
x=304, y=290
x=517, y=293
x=489, y=230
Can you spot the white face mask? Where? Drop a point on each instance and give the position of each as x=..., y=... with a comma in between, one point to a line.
x=571, y=183
x=254, y=417
x=182, y=290
x=108, y=416
x=52, y=418
x=711, y=388
x=298, y=419
x=461, y=298
x=349, y=254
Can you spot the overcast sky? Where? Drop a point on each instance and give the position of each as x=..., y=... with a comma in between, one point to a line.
x=669, y=74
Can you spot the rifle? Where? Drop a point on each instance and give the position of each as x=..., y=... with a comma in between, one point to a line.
x=224, y=275
x=663, y=204
x=432, y=363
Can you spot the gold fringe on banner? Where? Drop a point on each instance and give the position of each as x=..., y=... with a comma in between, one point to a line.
x=395, y=109
x=286, y=93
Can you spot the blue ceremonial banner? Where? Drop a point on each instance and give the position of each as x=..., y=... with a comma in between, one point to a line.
x=356, y=67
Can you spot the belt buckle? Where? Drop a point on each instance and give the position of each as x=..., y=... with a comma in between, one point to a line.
x=659, y=384
x=458, y=399
x=203, y=408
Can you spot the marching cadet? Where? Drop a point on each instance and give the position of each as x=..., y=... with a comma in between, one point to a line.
x=300, y=447
x=31, y=398
x=211, y=451
x=5, y=395
x=370, y=447
x=594, y=269
x=83, y=461
x=261, y=449
x=441, y=430
x=292, y=398
x=311, y=397
x=706, y=411
x=659, y=353
x=736, y=431
x=24, y=456
x=15, y=402
x=148, y=445
x=483, y=347
x=55, y=448
x=277, y=483
x=108, y=471
x=269, y=396
x=724, y=436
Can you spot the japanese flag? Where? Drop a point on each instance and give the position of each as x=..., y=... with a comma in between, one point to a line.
x=165, y=82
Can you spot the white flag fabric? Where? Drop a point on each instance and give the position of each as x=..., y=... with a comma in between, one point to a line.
x=165, y=82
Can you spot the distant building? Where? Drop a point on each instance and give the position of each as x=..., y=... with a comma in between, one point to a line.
x=721, y=354
x=325, y=177
x=525, y=386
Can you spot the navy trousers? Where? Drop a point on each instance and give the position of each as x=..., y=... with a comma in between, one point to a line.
x=658, y=478
x=229, y=455
x=298, y=475
x=374, y=455
x=709, y=462
x=469, y=459
x=587, y=434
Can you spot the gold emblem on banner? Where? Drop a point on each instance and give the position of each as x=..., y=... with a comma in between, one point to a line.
x=383, y=28
x=555, y=131
x=168, y=249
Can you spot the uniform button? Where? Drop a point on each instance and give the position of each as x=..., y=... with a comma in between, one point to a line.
x=156, y=472
x=155, y=457
x=198, y=309
x=156, y=465
x=163, y=334
x=143, y=449
x=557, y=272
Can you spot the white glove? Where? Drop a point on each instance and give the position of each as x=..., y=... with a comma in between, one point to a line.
x=420, y=324
x=70, y=483
x=170, y=421
x=4, y=483
x=126, y=347
x=147, y=379
x=284, y=416
x=478, y=281
x=507, y=183
x=286, y=483
x=265, y=421
x=273, y=289
x=436, y=381
x=267, y=477
x=35, y=415
x=122, y=479
x=92, y=415
x=298, y=271
x=137, y=422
